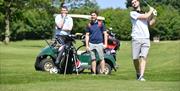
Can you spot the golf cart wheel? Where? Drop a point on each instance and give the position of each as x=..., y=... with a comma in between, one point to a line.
x=46, y=64
x=107, y=69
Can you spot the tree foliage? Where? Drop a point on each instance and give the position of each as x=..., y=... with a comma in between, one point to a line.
x=86, y=8
x=119, y=21
x=33, y=19
x=167, y=25
x=174, y=3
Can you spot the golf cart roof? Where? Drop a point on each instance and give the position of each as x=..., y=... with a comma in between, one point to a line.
x=82, y=16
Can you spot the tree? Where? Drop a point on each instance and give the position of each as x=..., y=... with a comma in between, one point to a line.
x=27, y=19
x=8, y=9
x=167, y=24
x=2, y=16
x=174, y=3
x=30, y=19
x=82, y=7
x=119, y=20
x=41, y=22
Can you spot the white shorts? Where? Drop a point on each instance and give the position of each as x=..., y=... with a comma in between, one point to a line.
x=99, y=49
x=140, y=48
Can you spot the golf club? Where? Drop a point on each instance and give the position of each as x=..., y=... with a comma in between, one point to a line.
x=154, y=12
x=146, y=3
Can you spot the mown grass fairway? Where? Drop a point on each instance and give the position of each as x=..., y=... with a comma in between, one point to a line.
x=17, y=71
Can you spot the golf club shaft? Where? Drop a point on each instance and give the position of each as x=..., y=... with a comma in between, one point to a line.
x=146, y=3
x=155, y=13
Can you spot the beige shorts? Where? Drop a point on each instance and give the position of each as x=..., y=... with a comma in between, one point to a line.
x=99, y=49
x=140, y=48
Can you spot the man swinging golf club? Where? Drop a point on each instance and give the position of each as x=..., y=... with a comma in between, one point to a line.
x=140, y=37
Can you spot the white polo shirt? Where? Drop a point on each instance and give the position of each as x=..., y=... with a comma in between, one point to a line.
x=139, y=27
x=68, y=24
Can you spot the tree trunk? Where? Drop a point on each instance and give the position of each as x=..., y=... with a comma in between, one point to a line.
x=7, y=23
x=7, y=32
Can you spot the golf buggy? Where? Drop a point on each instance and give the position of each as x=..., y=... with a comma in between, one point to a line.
x=73, y=59
x=109, y=56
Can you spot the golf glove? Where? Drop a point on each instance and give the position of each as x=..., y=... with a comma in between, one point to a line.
x=151, y=9
x=155, y=12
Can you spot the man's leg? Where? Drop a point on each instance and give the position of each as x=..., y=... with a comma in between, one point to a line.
x=102, y=63
x=137, y=66
x=61, y=50
x=142, y=66
x=93, y=58
x=143, y=57
x=93, y=66
x=100, y=50
x=136, y=46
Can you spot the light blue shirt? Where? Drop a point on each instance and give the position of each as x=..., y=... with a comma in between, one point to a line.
x=67, y=26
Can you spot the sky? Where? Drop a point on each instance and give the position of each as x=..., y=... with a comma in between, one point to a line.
x=111, y=3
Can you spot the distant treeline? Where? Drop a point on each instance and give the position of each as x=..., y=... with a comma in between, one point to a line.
x=33, y=19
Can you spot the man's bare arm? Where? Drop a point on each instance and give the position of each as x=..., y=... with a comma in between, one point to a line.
x=105, y=38
x=87, y=40
x=146, y=15
x=152, y=20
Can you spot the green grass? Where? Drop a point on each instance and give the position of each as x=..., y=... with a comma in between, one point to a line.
x=17, y=71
